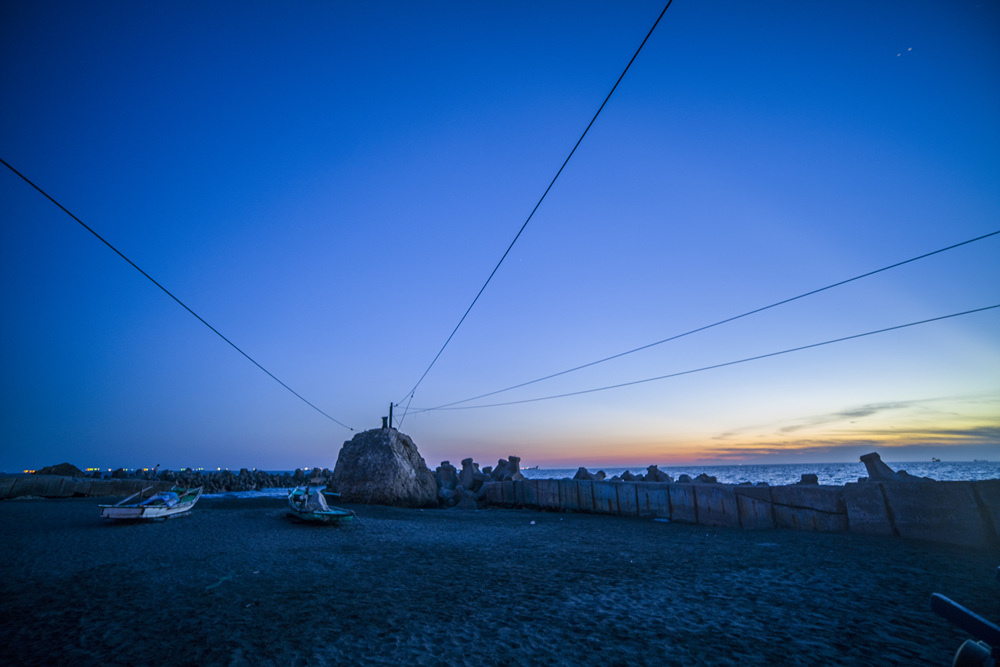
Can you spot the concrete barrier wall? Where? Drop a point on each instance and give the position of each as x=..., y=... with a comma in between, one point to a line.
x=959, y=513
x=56, y=486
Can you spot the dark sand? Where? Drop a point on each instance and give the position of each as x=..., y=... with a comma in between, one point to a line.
x=235, y=583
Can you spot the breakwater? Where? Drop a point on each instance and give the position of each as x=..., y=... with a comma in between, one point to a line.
x=124, y=484
x=60, y=486
x=958, y=513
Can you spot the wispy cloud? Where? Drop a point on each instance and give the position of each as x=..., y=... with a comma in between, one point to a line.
x=917, y=443
x=850, y=415
x=927, y=419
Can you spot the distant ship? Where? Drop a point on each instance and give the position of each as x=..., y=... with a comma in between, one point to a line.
x=935, y=460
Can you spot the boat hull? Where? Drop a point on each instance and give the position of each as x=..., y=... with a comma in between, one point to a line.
x=303, y=508
x=332, y=516
x=152, y=509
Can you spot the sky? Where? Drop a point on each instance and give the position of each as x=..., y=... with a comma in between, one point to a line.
x=330, y=184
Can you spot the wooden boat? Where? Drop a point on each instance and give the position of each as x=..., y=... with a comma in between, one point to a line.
x=159, y=505
x=313, y=508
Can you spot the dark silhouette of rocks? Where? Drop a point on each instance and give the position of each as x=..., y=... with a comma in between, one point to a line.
x=586, y=475
x=383, y=467
x=654, y=474
x=447, y=479
x=471, y=478
x=507, y=470
x=878, y=471
x=62, y=469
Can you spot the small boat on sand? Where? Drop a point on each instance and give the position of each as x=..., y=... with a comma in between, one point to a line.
x=159, y=505
x=313, y=508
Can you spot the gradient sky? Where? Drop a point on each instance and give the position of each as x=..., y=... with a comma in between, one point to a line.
x=329, y=184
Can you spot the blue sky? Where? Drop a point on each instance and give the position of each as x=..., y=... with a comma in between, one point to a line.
x=330, y=184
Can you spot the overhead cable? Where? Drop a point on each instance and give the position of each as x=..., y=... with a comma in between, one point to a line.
x=714, y=366
x=168, y=293
x=409, y=394
x=715, y=324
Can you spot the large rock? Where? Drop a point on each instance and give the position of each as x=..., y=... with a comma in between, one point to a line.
x=63, y=470
x=383, y=467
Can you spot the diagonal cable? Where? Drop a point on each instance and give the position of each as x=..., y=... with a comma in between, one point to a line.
x=722, y=365
x=516, y=237
x=715, y=324
x=167, y=292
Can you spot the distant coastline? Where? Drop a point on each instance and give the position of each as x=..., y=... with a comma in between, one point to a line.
x=775, y=474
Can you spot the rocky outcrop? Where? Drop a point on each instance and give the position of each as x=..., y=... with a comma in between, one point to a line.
x=62, y=470
x=880, y=472
x=383, y=467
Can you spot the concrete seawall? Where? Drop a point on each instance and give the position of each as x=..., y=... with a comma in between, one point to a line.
x=57, y=486
x=958, y=513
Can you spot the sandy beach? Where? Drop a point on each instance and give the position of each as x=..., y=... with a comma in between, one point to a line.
x=235, y=583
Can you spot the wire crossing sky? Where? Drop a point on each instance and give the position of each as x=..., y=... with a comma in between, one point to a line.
x=722, y=365
x=715, y=324
x=326, y=180
x=539, y=203
x=168, y=293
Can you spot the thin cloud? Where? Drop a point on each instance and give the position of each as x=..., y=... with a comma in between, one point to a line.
x=974, y=441
x=859, y=412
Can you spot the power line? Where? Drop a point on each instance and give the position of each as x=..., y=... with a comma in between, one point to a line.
x=714, y=366
x=542, y=198
x=715, y=324
x=167, y=292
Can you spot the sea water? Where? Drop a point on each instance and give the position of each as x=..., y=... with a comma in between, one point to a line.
x=775, y=474
x=779, y=474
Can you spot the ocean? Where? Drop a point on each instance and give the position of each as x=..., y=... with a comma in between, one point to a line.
x=774, y=474
x=789, y=473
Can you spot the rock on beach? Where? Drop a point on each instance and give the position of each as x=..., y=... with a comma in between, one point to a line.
x=383, y=467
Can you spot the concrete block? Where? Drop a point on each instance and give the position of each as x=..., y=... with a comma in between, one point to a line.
x=988, y=494
x=585, y=493
x=820, y=498
x=683, y=507
x=7, y=486
x=101, y=488
x=756, y=510
x=867, y=511
x=798, y=518
x=569, y=494
x=525, y=494
x=628, y=501
x=492, y=493
x=548, y=494
x=45, y=486
x=717, y=505
x=654, y=499
x=605, y=498
x=77, y=486
x=944, y=512
x=507, y=493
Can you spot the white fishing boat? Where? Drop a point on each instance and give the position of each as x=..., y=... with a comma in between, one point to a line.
x=159, y=505
x=313, y=508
